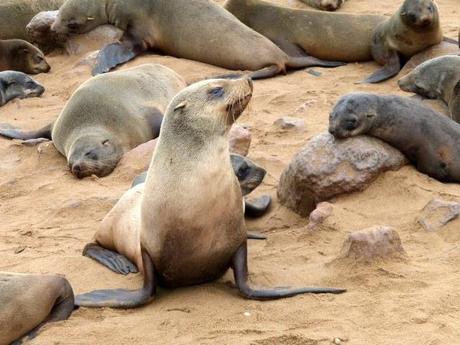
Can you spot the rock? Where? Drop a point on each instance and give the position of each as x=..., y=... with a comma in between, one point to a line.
x=438, y=213
x=368, y=245
x=327, y=167
x=39, y=31
x=322, y=211
x=287, y=122
x=239, y=140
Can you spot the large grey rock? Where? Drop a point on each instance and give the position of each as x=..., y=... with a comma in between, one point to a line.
x=438, y=213
x=327, y=167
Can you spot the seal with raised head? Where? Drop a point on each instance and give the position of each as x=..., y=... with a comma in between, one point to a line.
x=27, y=302
x=435, y=79
x=20, y=55
x=188, y=215
x=199, y=30
x=107, y=116
x=332, y=36
x=413, y=28
x=431, y=141
x=18, y=85
x=325, y=5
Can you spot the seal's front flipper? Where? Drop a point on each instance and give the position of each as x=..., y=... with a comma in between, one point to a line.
x=240, y=272
x=121, y=298
x=115, y=54
x=112, y=260
x=11, y=133
x=390, y=69
x=257, y=207
x=255, y=236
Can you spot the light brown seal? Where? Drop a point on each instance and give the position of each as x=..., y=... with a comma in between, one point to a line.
x=199, y=30
x=325, y=5
x=18, y=85
x=109, y=115
x=19, y=55
x=27, y=302
x=430, y=140
x=188, y=216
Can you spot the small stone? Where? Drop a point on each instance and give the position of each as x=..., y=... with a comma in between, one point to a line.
x=322, y=211
x=438, y=213
x=288, y=122
x=246, y=313
x=337, y=341
x=239, y=140
x=313, y=72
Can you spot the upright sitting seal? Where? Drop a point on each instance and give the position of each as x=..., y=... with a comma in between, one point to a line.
x=199, y=30
x=431, y=141
x=19, y=55
x=188, y=216
x=337, y=36
x=29, y=301
x=325, y=5
x=414, y=27
x=18, y=85
x=109, y=115
x=435, y=79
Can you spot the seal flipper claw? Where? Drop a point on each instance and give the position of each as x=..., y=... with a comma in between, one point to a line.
x=114, y=261
x=240, y=272
x=114, y=54
x=390, y=69
x=122, y=298
x=257, y=207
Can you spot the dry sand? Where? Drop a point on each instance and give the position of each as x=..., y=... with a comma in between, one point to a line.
x=48, y=216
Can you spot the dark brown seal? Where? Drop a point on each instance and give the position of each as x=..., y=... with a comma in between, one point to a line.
x=19, y=55
x=431, y=141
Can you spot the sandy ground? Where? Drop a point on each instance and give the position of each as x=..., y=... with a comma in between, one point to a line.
x=47, y=216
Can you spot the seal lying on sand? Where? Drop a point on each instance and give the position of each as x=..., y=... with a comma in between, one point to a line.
x=187, y=219
x=325, y=5
x=18, y=85
x=435, y=79
x=199, y=30
x=19, y=55
x=107, y=116
x=27, y=302
x=429, y=140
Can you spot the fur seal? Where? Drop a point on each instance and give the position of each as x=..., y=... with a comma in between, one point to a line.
x=435, y=79
x=199, y=30
x=18, y=85
x=109, y=115
x=20, y=55
x=413, y=28
x=325, y=5
x=430, y=140
x=176, y=243
x=29, y=301
x=332, y=36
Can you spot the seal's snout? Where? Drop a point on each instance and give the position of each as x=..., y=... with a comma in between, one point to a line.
x=405, y=83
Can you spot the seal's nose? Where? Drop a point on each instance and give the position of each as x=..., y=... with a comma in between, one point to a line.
x=76, y=170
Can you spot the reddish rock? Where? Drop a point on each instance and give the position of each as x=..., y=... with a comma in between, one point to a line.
x=239, y=140
x=322, y=211
x=438, y=213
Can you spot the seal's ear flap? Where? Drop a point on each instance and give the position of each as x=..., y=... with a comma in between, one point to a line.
x=181, y=105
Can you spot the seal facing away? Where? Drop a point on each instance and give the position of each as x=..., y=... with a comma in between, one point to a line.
x=325, y=5
x=199, y=30
x=107, y=116
x=180, y=243
x=29, y=301
x=18, y=85
x=430, y=140
x=413, y=28
x=19, y=55
x=435, y=79
x=332, y=36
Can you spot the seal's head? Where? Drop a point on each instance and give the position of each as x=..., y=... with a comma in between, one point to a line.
x=419, y=14
x=94, y=154
x=330, y=5
x=15, y=84
x=79, y=16
x=249, y=174
x=353, y=114
x=26, y=58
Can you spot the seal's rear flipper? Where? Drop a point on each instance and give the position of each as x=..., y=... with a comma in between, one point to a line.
x=121, y=298
x=392, y=67
x=112, y=260
x=115, y=54
x=257, y=207
x=11, y=133
x=240, y=272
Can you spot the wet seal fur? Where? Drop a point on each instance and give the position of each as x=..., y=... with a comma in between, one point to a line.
x=199, y=30
x=430, y=140
x=20, y=55
x=107, y=116
x=436, y=79
x=325, y=5
x=177, y=244
x=30, y=301
x=413, y=28
x=331, y=36
x=18, y=85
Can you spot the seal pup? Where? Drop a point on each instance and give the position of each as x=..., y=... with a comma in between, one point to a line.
x=30, y=301
x=430, y=140
x=20, y=55
x=188, y=216
x=413, y=28
x=331, y=36
x=18, y=85
x=107, y=116
x=325, y=5
x=199, y=30
x=435, y=79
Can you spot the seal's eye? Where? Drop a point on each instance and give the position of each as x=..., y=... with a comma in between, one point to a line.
x=38, y=58
x=72, y=26
x=216, y=92
x=91, y=155
x=243, y=171
x=30, y=84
